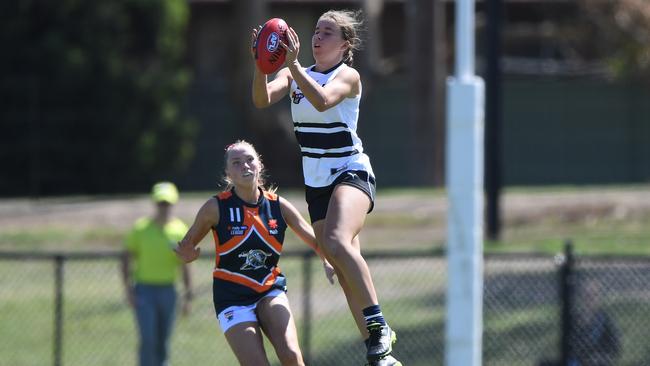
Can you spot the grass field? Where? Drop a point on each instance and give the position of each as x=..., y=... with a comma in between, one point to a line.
x=613, y=220
x=99, y=328
x=521, y=319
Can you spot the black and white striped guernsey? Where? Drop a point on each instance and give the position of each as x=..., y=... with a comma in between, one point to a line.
x=328, y=140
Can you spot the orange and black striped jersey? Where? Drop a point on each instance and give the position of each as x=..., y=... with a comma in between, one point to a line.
x=248, y=241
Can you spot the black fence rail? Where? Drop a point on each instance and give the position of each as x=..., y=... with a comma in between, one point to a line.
x=69, y=309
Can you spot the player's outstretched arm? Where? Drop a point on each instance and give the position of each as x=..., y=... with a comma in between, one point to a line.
x=301, y=227
x=207, y=217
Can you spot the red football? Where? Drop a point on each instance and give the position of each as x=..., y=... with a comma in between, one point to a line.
x=269, y=55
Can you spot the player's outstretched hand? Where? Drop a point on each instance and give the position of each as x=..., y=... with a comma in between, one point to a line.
x=254, y=33
x=292, y=46
x=187, y=252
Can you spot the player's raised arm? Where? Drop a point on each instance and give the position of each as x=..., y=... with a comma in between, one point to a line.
x=207, y=217
x=346, y=84
x=265, y=92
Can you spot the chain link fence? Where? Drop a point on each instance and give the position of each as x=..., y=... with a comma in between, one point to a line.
x=71, y=310
x=610, y=312
x=520, y=309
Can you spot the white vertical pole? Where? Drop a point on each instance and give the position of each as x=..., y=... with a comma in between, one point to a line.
x=464, y=39
x=465, y=125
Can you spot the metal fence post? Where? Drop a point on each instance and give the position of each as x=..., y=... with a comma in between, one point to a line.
x=58, y=308
x=567, y=288
x=306, y=307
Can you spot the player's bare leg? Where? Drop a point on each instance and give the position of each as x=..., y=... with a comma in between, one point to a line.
x=346, y=215
x=355, y=308
x=361, y=322
x=246, y=342
x=277, y=322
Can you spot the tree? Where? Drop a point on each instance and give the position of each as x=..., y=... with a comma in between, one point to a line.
x=622, y=28
x=93, y=94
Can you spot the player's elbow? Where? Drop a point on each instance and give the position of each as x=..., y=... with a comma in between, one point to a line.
x=260, y=103
x=323, y=103
x=322, y=106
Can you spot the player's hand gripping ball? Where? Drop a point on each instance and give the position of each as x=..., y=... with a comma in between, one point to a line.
x=269, y=55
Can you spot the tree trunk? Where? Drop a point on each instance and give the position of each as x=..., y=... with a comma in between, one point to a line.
x=427, y=74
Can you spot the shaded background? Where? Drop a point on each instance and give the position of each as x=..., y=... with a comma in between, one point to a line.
x=103, y=97
x=109, y=96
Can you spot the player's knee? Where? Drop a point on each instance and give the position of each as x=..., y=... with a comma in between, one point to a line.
x=253, y=360
x=334, y=246
x=290, y=357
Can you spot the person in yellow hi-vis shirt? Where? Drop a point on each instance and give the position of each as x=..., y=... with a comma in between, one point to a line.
x=150, y=268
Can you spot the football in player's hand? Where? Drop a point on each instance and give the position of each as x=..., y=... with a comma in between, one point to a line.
x=269, y=54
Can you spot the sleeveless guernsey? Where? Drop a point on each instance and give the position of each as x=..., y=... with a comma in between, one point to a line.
x=328, y=140
x=248, y=240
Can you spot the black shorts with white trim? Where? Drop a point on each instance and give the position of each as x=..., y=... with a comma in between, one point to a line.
x=318, y=198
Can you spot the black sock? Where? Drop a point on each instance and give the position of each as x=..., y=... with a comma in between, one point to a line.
x=373, y=314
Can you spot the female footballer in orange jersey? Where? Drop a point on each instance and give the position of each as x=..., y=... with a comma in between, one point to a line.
x=339, y=181
x=248, y=222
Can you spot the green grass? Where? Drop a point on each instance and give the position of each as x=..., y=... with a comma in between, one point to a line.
x=26, y=303
x=63, y=238
x=603, y=229
x=604, y=236
x=100, y=328
x=35, y=238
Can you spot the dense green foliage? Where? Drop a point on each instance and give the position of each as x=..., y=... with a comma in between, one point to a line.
x=93, y=95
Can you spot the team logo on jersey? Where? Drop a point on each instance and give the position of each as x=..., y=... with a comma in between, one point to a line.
x=229, y=315
x=273, y=226
x=237, y=230
x=255, y=259
x=296, y=96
